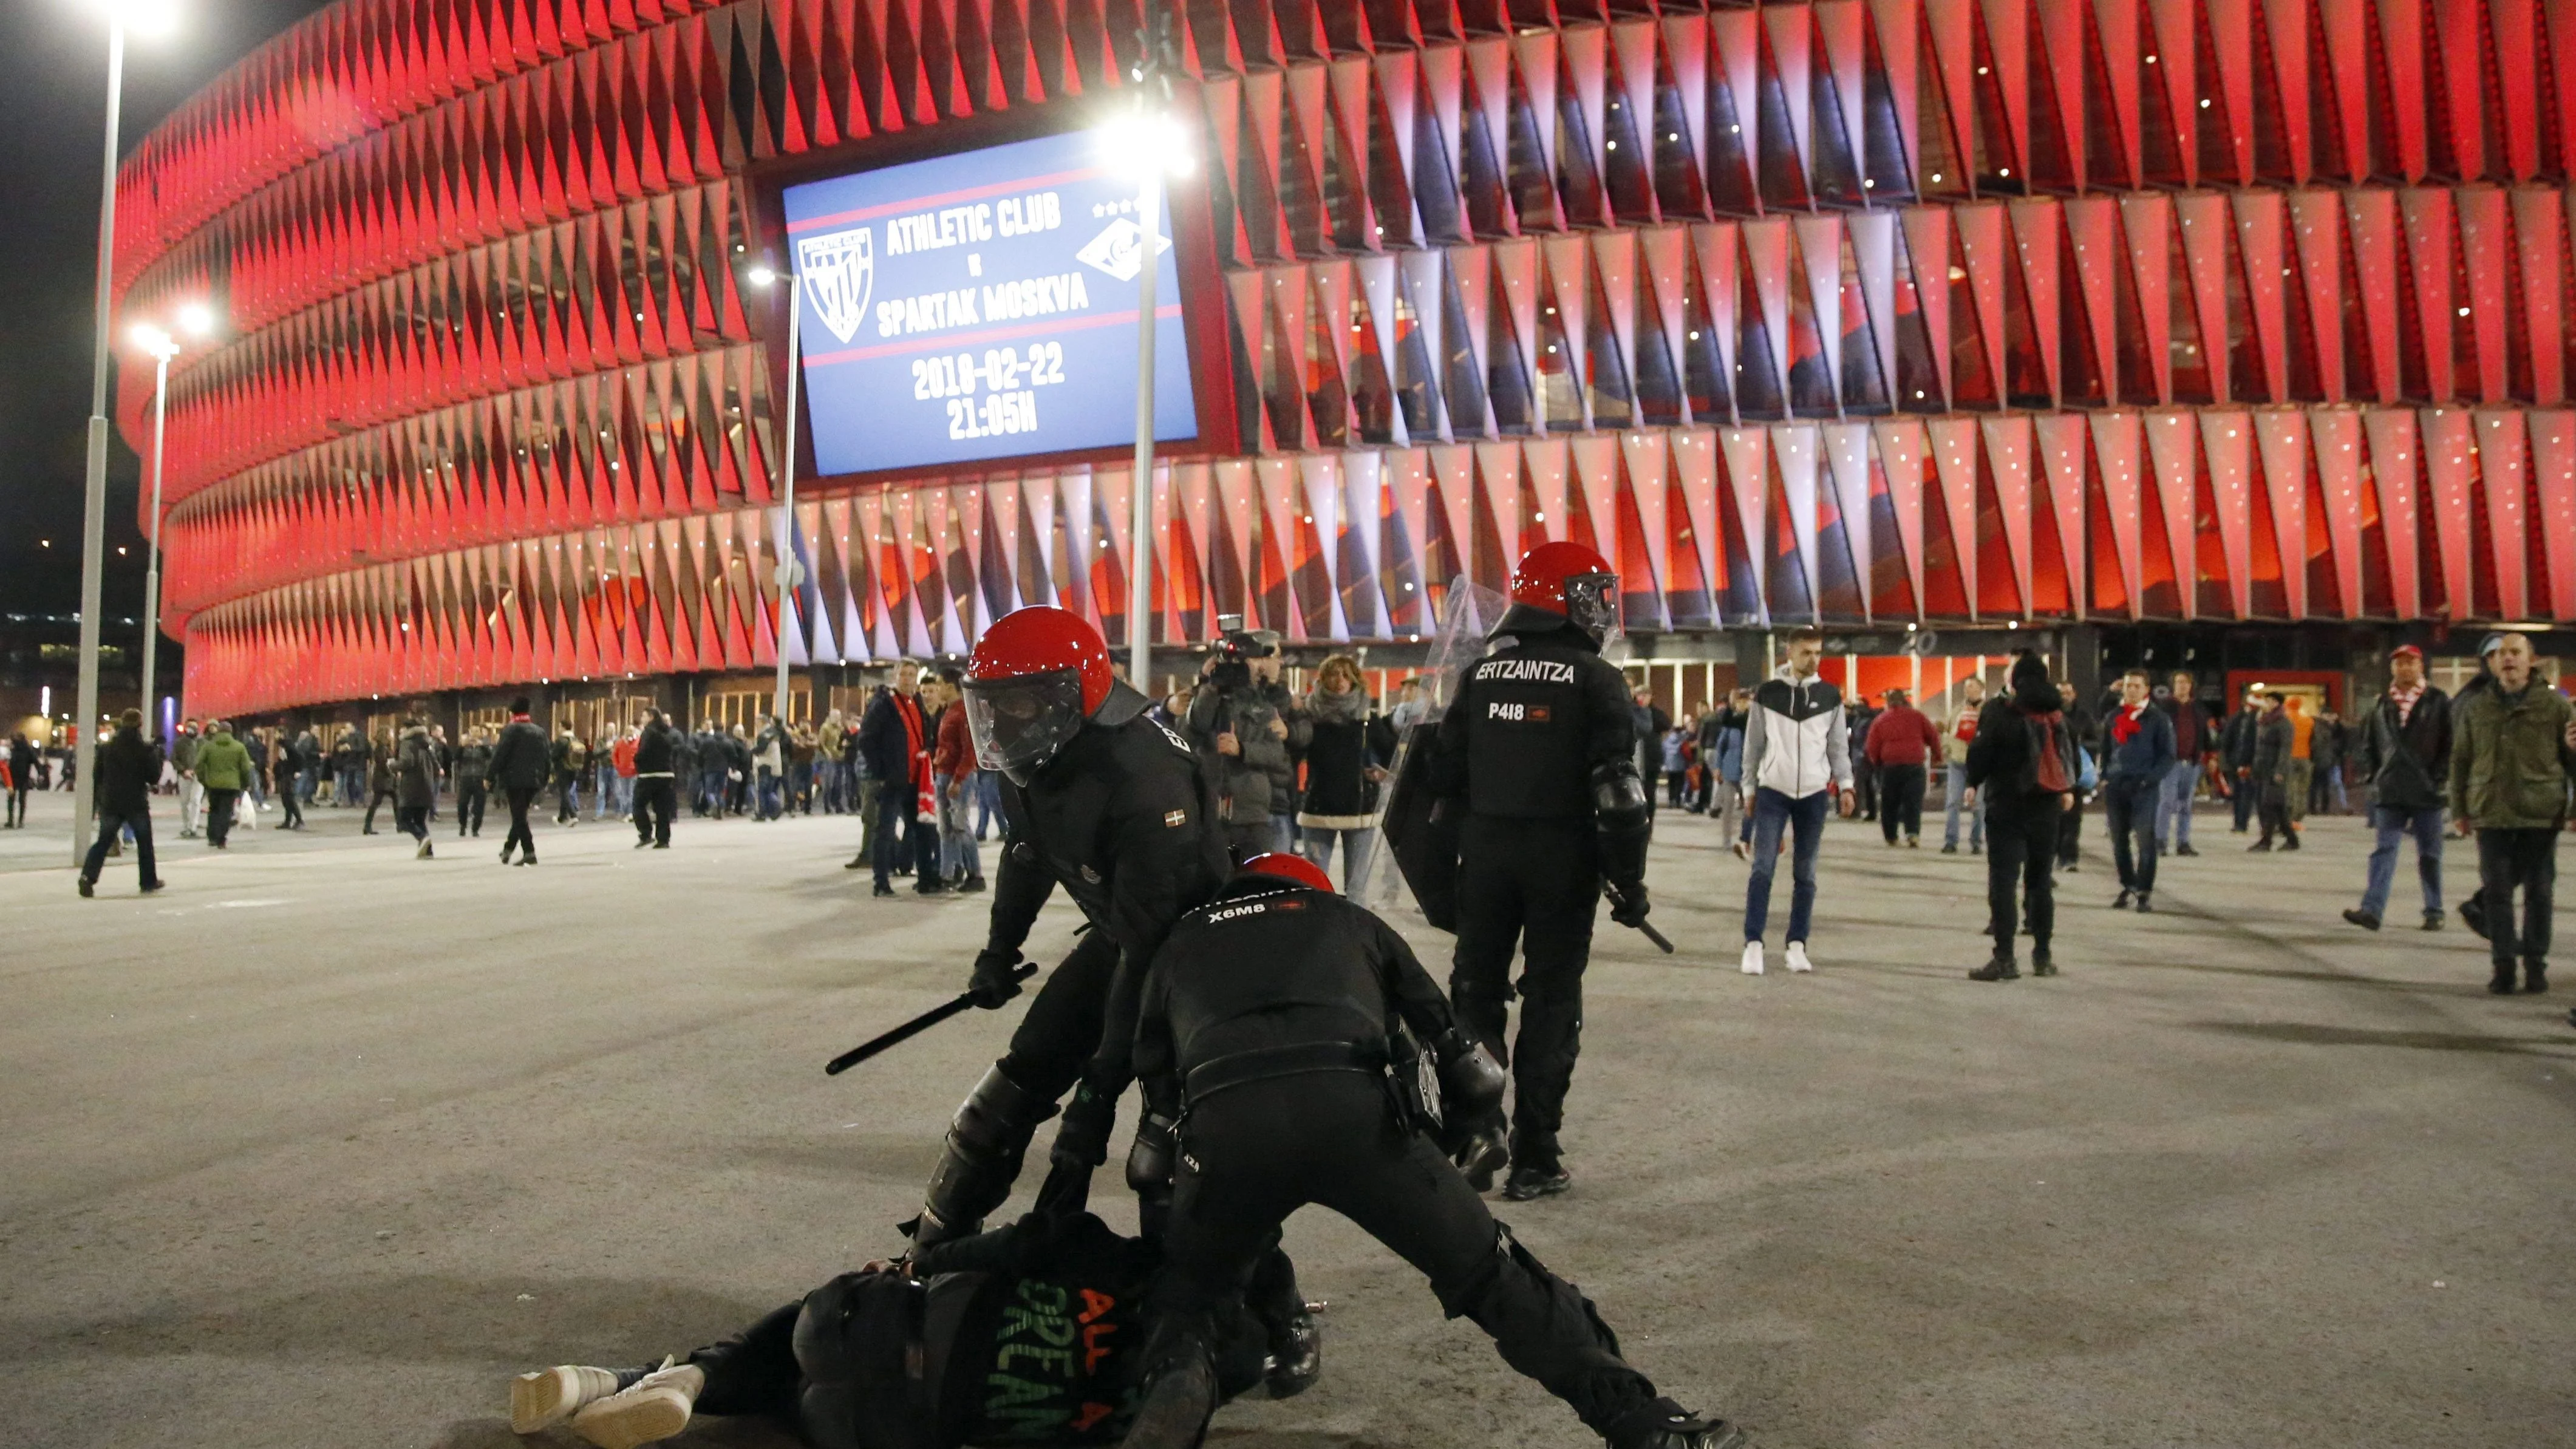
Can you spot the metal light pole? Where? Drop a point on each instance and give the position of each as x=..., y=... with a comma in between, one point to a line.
x=94, y=516
x=161, y=355
x=1155, y=149
x=790, y=572
x=1140, y=512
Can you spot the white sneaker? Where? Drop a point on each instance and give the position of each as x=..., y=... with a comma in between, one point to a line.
x=547, y=1397
x=1798, y=957
x=656, y=1408
x=1752, y=958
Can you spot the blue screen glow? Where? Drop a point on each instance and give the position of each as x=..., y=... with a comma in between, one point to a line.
x=980, y=306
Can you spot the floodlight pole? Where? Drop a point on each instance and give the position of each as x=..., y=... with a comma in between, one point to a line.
x=94, y=516
x=1140, y=510
x=152, y=571
x=1151, y=89
x=790, y=573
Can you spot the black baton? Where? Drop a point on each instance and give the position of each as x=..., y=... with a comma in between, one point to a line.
x=965, y=1001
x=1651, y=933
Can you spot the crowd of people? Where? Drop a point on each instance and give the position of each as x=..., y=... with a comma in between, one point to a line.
x=1196, y=833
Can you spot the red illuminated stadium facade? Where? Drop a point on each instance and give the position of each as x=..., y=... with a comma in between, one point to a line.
x=1869, y=312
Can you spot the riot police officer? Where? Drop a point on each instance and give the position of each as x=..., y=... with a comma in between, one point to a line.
x=1111, y=805
x=1305, y=1054
x=1536, y=770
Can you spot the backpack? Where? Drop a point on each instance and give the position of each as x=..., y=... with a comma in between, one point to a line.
x=2048, y=763
x=2087, y=778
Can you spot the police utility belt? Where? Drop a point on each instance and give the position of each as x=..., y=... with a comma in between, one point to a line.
x=1409, y=1075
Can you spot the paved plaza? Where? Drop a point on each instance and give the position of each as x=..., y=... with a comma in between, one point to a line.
x=322, y=1144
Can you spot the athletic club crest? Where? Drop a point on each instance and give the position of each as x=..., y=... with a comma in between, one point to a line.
x=837, y=272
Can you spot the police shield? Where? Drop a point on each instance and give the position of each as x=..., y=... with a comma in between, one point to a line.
x=1426, y=849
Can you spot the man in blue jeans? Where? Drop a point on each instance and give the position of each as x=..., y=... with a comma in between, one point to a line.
x=1797, y=762
x=2138, y=750
x=2404, y=750
x=2195, y=735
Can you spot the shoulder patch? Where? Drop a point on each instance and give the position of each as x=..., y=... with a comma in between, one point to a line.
x=1175, y=819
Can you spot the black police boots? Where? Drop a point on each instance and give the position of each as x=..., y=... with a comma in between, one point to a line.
x=1180, y=1392
x=1664, y=1424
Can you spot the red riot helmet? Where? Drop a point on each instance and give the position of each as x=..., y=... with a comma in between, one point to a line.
x=1571, y=580
x=1035, y=676
x=1288, y=866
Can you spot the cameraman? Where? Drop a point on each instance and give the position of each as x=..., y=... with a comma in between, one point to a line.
x=1242, y=725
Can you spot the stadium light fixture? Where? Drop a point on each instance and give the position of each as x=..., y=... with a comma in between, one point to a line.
x=197, y=320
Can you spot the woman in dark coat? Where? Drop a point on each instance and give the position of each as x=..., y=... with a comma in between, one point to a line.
x=415, y=783
x=1345, y=763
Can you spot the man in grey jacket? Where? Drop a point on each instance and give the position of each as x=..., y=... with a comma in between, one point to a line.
x=1797, y=762
x=1243, y=742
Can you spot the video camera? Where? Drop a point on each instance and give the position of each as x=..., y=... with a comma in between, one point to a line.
x=1233, y=652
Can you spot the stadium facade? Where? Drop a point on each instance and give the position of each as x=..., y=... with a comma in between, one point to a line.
x=1871, y=312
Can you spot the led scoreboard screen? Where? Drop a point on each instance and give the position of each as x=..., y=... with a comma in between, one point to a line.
x=981, y=306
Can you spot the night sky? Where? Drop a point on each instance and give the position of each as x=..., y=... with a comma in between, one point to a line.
x=53, y=69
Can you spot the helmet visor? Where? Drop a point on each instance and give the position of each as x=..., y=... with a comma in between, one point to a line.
x=1020, y=722
x=1592, y=603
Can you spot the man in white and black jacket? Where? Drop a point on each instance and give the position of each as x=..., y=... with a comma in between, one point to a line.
x=1797, y=763
x=2404, y=752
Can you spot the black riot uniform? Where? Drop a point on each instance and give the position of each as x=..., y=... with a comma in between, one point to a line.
x=1121, y=819
x=1538, y=750
x=1270, y=1029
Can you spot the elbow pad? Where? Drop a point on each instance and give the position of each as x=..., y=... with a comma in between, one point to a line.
x=1620, y=813
x=1471, y=1081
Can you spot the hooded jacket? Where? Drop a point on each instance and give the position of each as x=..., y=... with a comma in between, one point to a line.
x=2003, y=760
x=1795, y=740
x=415, y=768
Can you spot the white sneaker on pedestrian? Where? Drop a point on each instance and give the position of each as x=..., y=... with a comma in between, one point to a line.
x=1752, y=958
x=655, y=1408
x=1798, y=957
x=547, y=1397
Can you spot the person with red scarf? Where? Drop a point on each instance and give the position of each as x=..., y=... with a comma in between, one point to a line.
x=2139, y=754
x=895, y=740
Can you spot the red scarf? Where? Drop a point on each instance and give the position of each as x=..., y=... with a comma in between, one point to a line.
x=2124, y=725
x=908, y=709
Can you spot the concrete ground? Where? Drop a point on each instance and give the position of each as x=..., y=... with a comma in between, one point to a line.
x=323, y=1144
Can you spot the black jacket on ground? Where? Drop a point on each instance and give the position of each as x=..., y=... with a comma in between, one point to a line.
x=127, y=769
x=2408, y=766
x=1268, y=964
x=519, y=759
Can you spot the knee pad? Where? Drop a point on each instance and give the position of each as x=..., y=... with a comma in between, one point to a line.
x=986, y=1141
